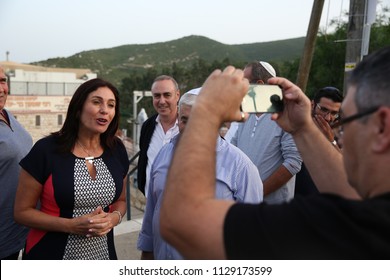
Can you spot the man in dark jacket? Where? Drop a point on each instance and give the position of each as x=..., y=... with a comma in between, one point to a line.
x=160, y=128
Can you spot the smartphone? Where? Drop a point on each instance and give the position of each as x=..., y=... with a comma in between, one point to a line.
x=263, y=99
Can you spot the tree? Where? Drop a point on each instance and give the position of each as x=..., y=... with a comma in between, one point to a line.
x=329, y=56
x=327, y=67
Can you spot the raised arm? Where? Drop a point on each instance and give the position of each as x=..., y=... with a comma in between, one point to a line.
x=323, y=161
x=189, y=211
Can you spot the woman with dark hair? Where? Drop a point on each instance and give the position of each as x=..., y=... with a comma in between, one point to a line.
x=77, y=176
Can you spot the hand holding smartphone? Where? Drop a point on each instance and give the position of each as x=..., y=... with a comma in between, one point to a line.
x=263, y=99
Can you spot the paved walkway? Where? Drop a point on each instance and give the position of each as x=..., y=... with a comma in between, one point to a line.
x=126, y=235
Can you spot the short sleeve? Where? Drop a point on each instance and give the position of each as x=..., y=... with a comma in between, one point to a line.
x=37, y=161
x=123, y=157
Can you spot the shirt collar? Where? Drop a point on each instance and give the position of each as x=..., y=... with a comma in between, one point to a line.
x=158, y=120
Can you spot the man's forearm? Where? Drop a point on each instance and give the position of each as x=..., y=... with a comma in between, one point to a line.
x=276, y=180
x=324, y=163
x=191, y=181
x=189, y=211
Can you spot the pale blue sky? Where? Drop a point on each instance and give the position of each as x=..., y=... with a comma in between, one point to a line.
x=33, y=30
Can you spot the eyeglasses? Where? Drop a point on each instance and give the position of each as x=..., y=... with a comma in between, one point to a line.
x=334, y=114
x=342, y=121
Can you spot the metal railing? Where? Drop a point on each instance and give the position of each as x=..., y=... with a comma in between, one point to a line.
x=128, y=199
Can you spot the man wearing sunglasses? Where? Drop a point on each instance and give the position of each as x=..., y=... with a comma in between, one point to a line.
x=332, y=226
x=325, y=110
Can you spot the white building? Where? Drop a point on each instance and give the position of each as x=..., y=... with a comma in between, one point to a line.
x=39, y=96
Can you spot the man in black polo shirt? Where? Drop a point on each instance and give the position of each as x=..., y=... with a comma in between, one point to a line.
x=345, y=223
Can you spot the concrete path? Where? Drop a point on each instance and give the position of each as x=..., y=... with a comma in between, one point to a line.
x=126, y=235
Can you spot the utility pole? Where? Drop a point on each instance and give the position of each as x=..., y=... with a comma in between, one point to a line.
x=354, y=36
x=308, y=50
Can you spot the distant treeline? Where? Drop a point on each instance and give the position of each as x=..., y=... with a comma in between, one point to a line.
x=327, y=68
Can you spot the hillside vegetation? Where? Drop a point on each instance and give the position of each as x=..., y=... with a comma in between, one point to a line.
x=117, y=63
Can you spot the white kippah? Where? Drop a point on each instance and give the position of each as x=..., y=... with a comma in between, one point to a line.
x=269, y=68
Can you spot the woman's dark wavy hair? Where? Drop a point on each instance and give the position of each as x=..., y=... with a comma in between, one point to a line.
x=67, y=135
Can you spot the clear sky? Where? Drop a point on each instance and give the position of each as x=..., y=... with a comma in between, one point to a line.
x=34, y=30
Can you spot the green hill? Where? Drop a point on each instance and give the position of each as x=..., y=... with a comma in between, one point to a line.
x=118, y=62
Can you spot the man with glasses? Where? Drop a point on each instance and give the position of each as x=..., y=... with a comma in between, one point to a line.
x=326, y=106
x=350, y=221
x=325, y=111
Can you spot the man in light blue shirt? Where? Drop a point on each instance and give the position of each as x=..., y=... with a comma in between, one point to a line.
x=270, y=148
x=237, y=179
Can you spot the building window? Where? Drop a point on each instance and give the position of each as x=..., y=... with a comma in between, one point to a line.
x=59, y=120
x=38, y=120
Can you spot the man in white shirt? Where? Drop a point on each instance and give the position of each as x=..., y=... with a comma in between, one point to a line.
x=159, y=129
